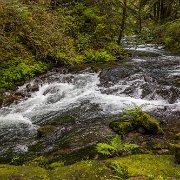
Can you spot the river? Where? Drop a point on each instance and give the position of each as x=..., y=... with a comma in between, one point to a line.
x=82, y=103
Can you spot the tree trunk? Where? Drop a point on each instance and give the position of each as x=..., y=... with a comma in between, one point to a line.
x=140, y=20
x=122, y=21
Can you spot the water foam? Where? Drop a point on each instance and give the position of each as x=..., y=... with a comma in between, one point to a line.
x=63, y=95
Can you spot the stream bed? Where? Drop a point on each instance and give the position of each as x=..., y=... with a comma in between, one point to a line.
x=77, y=107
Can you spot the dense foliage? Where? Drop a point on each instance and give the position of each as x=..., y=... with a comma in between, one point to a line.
x=73, y=32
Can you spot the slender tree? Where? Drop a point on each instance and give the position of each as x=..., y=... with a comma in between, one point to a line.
x=124, y=10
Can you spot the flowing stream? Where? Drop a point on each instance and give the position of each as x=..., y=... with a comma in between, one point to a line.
x=149, y=78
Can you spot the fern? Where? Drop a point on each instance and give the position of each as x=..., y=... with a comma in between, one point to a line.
x=120, y=171
x=115, y=147
x=105, y=149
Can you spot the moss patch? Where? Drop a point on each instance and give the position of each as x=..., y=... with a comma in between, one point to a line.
x=121, y=127
x=22, y=172
x=149, y=165
x=82, y=170
x=150, y=124
x=145, y=165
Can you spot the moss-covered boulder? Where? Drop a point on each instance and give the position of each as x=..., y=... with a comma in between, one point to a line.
x=150, y=124
x=121, y=127
x=45, y=130
x=143, y=120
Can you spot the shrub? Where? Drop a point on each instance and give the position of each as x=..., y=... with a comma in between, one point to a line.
x=19, y=70
x=169, y=34
x=117, y=50
x=100, y=56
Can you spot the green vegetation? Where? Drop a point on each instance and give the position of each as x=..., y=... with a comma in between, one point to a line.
x=169, y=34
x=33, y=34
x=176, y=150
x=36, y=33
x=146, y=165
x=116, y=147
x=120, y=171
x=133, y=119
x=17, y=71
x=134, y=166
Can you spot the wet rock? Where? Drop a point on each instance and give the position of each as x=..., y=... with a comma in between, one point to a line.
x=146, y=90
x=21, y=93
x=2, y=96
x=149, y=79
x=171, y=94
x=38, y=81
x=45, y=130
x=1, y=102
x=9, y=100
x=32, y=88
x=130, y=90
x=112, y=76
x=84, y=137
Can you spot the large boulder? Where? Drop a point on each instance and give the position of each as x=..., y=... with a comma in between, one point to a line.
x=143, y=123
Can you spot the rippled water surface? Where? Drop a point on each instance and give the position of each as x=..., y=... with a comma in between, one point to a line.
x=86, y=95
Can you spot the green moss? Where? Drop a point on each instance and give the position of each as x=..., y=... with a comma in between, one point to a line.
x=22, y=172
x=45, y=130
x=134, y=119
x=56, y=165
x=121, y=127
x=149, y=165
x=150, y=124
x=145, y=165
x=83, y=170
x=40, y=161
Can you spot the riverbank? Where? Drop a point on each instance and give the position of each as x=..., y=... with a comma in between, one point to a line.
x=138, y=167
